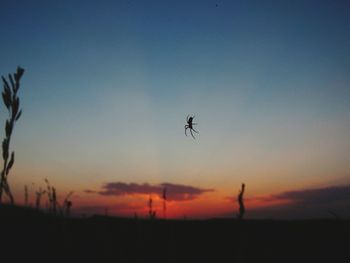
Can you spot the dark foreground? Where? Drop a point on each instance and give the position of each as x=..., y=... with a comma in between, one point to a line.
x=27, y=234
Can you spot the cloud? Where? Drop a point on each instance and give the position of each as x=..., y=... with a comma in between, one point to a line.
x=307, y=203
x=174, y=192
x=327, y=195
x=119, y=188
x=179, y=192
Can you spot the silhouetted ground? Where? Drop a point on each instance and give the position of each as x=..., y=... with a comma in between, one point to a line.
x=28, y=234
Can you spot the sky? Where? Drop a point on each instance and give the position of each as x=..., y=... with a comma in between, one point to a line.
x=108, y=86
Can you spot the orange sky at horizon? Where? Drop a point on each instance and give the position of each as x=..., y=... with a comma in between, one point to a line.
x=219, y=203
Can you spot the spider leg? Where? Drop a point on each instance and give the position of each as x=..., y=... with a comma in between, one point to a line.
x=192, y=133
x=194, y=123
x=186, y=129
x=195, y=130
x=187, y=117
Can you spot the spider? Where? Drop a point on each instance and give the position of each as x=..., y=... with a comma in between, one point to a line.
x=189, y=125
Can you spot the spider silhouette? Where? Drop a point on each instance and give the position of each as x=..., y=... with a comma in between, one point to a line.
x=189, y=125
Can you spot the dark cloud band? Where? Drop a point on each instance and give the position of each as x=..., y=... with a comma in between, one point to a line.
x=307, y=203
x=174, y=192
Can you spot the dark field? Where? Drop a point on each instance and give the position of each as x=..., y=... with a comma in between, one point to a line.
x=41, y=237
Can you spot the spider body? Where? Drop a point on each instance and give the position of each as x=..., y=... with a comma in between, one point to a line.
x=189, y=125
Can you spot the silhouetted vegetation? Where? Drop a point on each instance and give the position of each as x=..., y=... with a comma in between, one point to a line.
x=151, y=213
x=67, y=204
x=108, y=239
x=164, y=197
x=51, y=194
x=26, y=195
x=241, y=210
x=54, y=207
x=11, y=101
x=39, y=194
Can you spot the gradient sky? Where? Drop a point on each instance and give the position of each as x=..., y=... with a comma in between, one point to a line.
x=108, y=85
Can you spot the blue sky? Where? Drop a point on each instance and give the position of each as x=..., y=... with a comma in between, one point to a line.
x=108, y=85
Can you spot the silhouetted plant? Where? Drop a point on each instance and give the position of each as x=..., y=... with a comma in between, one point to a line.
x=152, y=213
x=54, y=201
x=241, y=210
x=26, y=195
x=164, y=197
x=67, y=204
x=53, y=206
x=39, y=194
x=11, y=101
x=51, y=193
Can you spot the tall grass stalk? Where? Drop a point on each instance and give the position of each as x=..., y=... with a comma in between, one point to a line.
x=39, y=194
x=11, y=101
x=241, y=210
x=164, y=197
x=151, y=212
x=26, y=196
